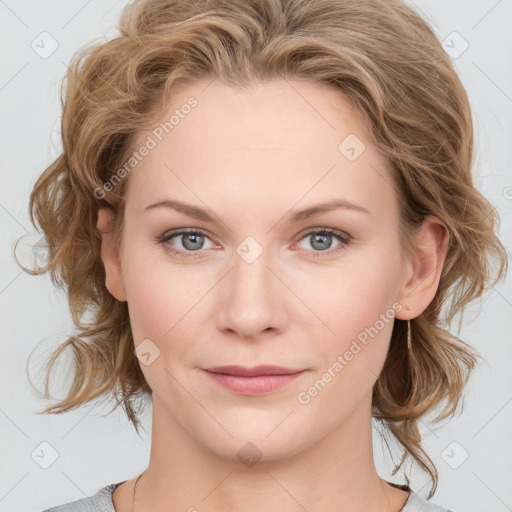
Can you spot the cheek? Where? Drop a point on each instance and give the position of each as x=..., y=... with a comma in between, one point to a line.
x=158, y=295
x=354, y=296
x=338, y=305
x=161, y=308
x=358, y=304
x=361, y=314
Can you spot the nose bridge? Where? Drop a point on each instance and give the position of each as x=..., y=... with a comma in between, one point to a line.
x=254, y=300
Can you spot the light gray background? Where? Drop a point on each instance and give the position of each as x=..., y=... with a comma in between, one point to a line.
x=95, y=451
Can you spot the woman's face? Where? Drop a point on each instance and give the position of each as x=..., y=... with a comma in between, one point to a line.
x=254, y=285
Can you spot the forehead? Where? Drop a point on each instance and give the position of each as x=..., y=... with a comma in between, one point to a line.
x=282, y=141
x=266, y=114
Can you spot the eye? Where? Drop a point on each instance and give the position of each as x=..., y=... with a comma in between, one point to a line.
x=322, y=239
x=192, y=240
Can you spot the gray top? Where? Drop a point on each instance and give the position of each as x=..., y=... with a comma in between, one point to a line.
x=102, y=502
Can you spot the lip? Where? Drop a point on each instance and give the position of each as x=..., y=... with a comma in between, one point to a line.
x=257, y=380
x=255, y=371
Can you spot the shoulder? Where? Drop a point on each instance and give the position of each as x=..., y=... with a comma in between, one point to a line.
x=102, y=502
x=99, y=502
x=417, y=503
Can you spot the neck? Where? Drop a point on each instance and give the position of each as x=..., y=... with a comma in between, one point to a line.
x=336, y=473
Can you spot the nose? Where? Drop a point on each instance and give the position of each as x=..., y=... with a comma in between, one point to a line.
x=252, y=299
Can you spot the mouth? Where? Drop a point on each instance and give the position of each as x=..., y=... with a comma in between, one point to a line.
x=255, y=371
x=253, y=381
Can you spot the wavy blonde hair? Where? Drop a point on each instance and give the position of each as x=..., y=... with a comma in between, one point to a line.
x=386, y=59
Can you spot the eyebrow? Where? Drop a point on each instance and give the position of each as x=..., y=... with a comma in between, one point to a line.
x=294, y=215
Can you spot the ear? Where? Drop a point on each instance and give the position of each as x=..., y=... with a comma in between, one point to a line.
x=423, y=269
x=110, y=254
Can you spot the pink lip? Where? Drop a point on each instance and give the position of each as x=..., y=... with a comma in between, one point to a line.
x=253, y=381
x=245, y=371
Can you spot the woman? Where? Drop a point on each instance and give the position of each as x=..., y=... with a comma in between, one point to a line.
x=264, y=206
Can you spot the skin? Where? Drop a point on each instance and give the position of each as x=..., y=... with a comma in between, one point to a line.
x=251, y=157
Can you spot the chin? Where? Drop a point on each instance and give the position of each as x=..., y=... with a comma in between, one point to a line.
x=251, y=444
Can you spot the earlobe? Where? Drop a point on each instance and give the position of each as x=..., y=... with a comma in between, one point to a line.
x=425, y=267
x=110, y=254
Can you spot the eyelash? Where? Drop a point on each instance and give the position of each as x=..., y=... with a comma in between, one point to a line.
x=343, y=237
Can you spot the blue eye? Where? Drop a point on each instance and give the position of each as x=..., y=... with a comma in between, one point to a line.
x=192, y=241
x=321, y=241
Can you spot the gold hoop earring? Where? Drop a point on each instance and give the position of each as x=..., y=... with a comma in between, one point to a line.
x=409, y=344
